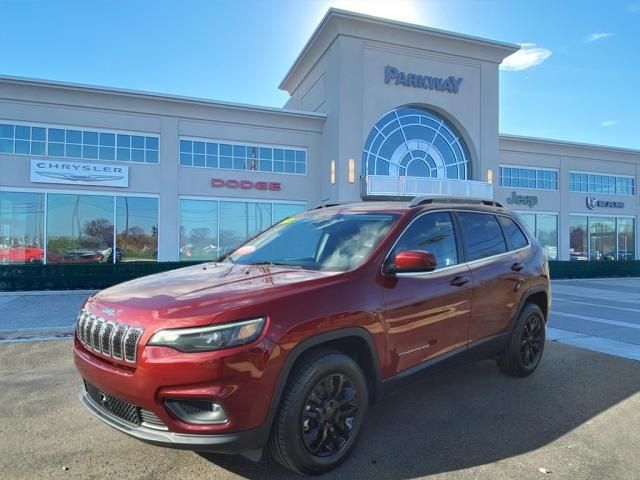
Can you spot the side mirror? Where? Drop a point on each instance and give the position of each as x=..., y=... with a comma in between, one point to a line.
x=414, y=261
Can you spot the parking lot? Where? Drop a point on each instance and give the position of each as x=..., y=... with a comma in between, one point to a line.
x=577, y=417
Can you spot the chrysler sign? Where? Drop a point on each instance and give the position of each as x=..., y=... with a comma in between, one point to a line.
x=449, y=84
x=75, y=173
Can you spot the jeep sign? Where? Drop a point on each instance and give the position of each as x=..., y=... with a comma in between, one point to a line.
x=528, y=200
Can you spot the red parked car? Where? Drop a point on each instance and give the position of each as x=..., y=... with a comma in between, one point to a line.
x=287, y=341
x=22, y=254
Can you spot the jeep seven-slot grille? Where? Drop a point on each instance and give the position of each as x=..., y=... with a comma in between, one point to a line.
x=109, y=338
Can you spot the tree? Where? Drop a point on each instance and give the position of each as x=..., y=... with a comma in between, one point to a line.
x=100, y=228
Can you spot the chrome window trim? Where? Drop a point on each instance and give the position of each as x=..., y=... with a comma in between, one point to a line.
x=451, y=267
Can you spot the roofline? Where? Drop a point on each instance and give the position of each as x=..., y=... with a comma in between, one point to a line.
x=157, y=96
x=566, y=143
x=332, y=11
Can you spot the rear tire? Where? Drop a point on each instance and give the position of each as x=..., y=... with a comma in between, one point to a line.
x=526, y=344
x=321, y=413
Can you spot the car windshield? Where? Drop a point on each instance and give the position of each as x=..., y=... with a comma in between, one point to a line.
x=317, y=241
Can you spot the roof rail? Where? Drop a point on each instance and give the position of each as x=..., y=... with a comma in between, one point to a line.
x=329, y=203
x=428, y=199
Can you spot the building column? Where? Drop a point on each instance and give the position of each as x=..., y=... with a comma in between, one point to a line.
x=169, y=222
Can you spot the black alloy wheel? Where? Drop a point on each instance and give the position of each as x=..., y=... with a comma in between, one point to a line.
x=329, y=415
x=321, y=412
x=531, y=340
x=524, y=349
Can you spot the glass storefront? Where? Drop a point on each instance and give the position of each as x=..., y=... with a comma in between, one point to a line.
x=21, y=227
x=601, y=238
x=77, y=228
x=545, y=228
x=210, y=228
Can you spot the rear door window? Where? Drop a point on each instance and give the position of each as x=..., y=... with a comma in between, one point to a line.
x=481, y=235
x=515, y=237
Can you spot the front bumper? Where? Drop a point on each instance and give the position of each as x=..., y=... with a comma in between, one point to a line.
x=233, y=443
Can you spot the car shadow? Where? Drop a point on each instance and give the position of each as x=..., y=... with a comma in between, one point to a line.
x=471, y=415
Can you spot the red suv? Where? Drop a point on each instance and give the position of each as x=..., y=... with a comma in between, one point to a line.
x=288, y=340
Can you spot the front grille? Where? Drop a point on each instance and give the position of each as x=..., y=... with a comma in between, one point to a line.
x=109, y=338
x=116, y=407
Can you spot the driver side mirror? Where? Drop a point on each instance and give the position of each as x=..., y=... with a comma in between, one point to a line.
x=414, y=261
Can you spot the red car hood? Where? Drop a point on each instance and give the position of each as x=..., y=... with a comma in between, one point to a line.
x=196, y=295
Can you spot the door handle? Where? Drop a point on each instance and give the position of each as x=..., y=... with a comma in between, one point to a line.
x=516, y=267
x=459, y=281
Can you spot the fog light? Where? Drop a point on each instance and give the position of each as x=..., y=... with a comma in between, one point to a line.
x=198, y=411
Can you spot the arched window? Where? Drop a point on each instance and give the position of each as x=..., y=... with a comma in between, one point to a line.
x=414, y=142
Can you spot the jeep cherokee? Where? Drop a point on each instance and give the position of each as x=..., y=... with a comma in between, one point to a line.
x=287, y=340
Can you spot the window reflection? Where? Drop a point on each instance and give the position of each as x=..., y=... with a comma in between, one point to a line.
x=544, y=226
x=578, y=238
x=284, y=210
x=199, y=230
x=79, y=228
x=242, y=220
x=602, y=238
x=136, y=230
x=21, y=227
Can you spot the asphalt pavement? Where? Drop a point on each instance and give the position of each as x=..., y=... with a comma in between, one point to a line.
x=577, y=417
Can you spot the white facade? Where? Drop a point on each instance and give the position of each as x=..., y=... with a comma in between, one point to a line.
x=254, y=165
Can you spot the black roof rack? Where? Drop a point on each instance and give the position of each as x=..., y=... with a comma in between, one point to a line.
x=429, y=199
x=329, y=203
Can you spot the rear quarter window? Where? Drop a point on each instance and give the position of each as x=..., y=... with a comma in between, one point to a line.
x=515, y=236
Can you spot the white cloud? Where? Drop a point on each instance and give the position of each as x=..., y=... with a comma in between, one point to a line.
x=528, y=56
x=594, y=37
x=608, y=123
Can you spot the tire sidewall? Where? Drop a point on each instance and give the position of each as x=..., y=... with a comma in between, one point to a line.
x=514, y=345
x=304, y=460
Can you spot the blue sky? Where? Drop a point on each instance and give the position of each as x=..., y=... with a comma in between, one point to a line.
x=577, y=80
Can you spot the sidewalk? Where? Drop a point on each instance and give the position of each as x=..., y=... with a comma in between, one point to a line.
x=51, y=314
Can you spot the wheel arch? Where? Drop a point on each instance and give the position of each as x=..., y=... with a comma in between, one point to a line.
x=356, y=342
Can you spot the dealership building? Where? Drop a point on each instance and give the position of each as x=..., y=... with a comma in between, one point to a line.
x=378, y=109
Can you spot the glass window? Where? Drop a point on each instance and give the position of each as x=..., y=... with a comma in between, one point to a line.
x=92, y=145
x=319, y=240
x=578, y=238
x=602, y=238
x=241, y=157
x=547, y=234
x=21, y=227
x=242, y=220
x=626, y=239
x=415, y=131
x=481, y=235
x=605, y=184
x=512, y=232
x=136, y=230
x=432, y=232
x=284, y=210
x=79, y=228
x=199, y=230
x=534, y=178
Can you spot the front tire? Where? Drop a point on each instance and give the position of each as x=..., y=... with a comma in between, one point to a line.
x=321, y=413
x=526, y=344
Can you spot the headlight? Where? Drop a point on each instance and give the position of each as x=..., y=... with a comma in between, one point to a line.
x=206, y=339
